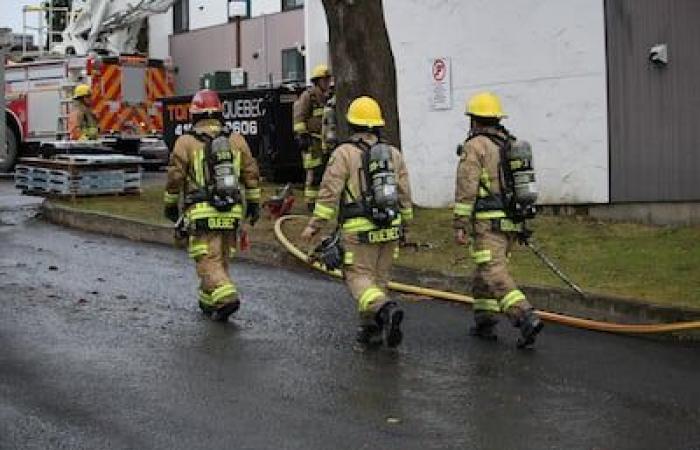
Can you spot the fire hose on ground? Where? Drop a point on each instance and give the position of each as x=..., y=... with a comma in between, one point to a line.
x=562, y=319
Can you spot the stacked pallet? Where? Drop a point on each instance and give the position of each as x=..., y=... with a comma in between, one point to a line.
x=79, y=175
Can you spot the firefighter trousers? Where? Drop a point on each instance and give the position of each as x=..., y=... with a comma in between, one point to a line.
x=314, y=163
x=366, y=270
x=493, y=288
x=212, y=251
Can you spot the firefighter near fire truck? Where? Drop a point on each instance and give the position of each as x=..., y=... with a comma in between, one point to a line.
x=218, y=178
x=308, y=116
x=494, y=196
x=366, y=188
x=82, y=124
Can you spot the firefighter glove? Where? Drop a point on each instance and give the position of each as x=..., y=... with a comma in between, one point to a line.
x=252, y=212
x=172, y=213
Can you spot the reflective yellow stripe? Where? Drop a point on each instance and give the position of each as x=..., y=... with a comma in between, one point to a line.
x=170, y=199
x=463, y=209
x=396, y=252
x=197, y=248
x=204, y=210
x=360, y=224
x=223, y=291
x=511, y=299
x=486, y=304
x=407, y=214
x=368, y=297
x=349, y=258
x=485, y=215
x=483, y=192
x=311, y=193
x=199, y=166
x=485, y=179
x=299, y=127
x=309, y=161
x=324, y=212
x=204, y=297
x=481, y=256
x=253, y=194
x=317, y=112
x=232, y=252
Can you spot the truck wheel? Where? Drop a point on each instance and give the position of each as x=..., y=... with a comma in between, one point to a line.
x=8, y=157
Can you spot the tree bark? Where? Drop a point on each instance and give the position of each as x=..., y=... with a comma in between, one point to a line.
x=362, y=60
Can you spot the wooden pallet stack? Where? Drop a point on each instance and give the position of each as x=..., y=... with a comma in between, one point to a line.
x=79, y=175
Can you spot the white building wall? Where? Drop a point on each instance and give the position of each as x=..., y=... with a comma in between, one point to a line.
x=545, y=58
x=160, y=26
x=207, y=13
x=316, y=36
x=262, y=7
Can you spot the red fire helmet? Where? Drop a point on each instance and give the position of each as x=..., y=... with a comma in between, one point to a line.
x=205, y=101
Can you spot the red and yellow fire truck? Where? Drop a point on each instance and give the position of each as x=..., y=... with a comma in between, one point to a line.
x=126, y=93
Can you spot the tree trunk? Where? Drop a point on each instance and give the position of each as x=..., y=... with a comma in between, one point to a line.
x=362, y=60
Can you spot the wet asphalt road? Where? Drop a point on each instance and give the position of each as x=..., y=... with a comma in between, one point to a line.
x=102, y=346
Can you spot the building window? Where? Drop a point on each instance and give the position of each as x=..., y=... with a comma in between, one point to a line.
x=292, y=4
x=181, y=16
x=293, y=68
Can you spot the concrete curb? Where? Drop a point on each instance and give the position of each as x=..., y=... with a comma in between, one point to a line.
x=599, y=307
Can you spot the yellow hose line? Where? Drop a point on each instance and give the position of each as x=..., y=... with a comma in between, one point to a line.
x=461, y=298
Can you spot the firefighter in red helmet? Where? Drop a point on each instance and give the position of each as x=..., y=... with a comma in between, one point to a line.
x=217, y=178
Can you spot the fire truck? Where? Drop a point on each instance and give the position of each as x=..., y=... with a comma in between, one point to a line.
x=97, y=47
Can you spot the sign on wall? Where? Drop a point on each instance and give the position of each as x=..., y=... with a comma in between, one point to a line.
x=440, y=83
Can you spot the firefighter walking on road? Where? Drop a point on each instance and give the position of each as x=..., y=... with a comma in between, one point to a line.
x=484, y=220
x=82, y=123
x=365, y=187
x=308, y=115
x=219, y=179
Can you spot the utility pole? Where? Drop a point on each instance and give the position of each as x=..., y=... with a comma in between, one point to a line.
x=5, y=43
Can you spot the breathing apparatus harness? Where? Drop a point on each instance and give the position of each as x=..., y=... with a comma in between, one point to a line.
x=221, y=185
x=517, y=180
x=378, y=200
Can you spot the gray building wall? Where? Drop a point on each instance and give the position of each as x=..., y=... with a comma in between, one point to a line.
x=214, y=48
x=654, y=112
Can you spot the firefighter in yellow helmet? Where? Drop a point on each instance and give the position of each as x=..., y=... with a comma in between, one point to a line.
x=482, y=220
x=219, y=180
x=308, y=115
x=82, y=123
x=365, y=187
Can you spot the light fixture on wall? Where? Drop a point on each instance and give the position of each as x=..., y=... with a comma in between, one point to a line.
x=658, y=54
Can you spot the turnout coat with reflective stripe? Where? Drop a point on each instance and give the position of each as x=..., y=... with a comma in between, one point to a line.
x=187, y=166
x=477, y=177
x=343, y=182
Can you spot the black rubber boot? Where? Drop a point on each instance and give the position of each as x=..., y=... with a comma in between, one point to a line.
x=221, y=313
x=389, y=319
x=369, y=335
x=530, y=326
x=483, y=327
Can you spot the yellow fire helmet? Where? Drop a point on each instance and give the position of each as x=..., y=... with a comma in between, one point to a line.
x=320, y=71
x=81, y=90
x=365, y=111
x=485, y=104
